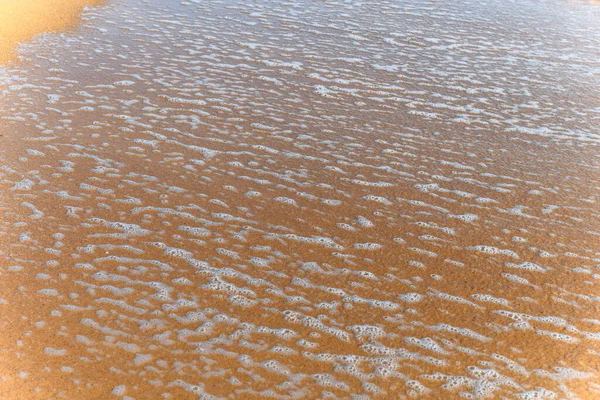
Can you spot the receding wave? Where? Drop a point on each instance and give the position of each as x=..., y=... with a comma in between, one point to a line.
x=283, y=199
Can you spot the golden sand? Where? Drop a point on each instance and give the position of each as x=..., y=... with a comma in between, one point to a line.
x=20, y=20
x=247, y=204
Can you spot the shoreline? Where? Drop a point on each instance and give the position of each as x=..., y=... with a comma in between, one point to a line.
x=22, y=21
x=231, y=200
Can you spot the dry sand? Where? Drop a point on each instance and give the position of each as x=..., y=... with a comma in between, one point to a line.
x=20, y=20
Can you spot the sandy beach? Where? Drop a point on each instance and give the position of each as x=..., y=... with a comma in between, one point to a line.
x=281, y=199
x=20, y=20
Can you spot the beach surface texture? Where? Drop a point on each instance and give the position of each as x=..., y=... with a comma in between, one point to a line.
x=342, y=199
x=20, y=20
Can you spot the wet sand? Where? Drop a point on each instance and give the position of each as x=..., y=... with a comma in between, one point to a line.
x=303, y=200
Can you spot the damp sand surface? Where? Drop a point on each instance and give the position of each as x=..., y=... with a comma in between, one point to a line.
x=273, y=199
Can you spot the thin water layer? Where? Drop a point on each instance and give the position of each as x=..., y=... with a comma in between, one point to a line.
x=297, y=199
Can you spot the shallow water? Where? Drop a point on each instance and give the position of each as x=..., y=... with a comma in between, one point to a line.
x=298, y=199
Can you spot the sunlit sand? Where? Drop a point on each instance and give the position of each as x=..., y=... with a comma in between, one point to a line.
x=20, y=20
